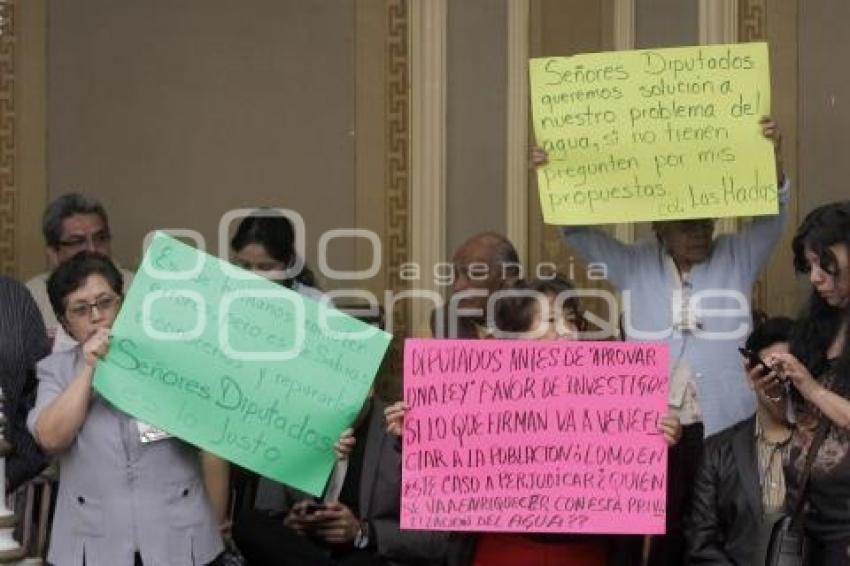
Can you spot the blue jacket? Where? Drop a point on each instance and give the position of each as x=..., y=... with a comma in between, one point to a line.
x=640, y=271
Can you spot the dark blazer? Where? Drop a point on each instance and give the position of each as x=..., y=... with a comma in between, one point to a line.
x=379, y=500
x=725, y=525
x=23, y=341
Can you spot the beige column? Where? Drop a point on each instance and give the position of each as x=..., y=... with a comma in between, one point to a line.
x=427, y=144
x=718, y=23
x=624, y=39
x=369, y=135
x=516, y=149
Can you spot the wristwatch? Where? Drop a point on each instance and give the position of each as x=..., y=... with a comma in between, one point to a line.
x=361, y=539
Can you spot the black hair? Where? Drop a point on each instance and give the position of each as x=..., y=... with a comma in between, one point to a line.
x=823, y=227
x=819, y=322
x=658, y=226
x=769, y=332
x=71, y=274
x=515, y=313
x=64, y=207
x=275, y=233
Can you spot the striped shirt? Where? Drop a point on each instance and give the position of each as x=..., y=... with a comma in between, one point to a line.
x=23, y=341
x=771, y=458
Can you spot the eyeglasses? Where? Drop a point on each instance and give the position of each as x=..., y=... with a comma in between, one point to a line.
x=85, y=310
x=261, y=266
x=95, y=240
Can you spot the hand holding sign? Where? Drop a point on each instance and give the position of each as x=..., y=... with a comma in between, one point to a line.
x=238, y=365
x=535, y=436
x=653, y=135
x=770, y=130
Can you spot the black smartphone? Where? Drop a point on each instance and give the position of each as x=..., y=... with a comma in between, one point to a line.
x=755, y=360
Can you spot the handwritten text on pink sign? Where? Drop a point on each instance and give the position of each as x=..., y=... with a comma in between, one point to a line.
x=534, y=436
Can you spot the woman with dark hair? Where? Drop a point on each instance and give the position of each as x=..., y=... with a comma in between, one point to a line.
x=564, y=319
x=542, y=309
x=818, y=368
x=122, y=500
x=264, y=243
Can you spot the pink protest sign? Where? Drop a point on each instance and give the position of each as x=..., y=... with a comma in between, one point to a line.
x=534, y=436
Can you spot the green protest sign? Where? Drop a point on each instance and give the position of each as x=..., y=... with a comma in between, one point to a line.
x=238, y=365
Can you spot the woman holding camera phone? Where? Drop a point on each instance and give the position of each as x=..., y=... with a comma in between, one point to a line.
x=818, y=371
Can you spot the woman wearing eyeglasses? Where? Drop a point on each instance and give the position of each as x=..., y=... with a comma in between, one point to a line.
x=122, y=501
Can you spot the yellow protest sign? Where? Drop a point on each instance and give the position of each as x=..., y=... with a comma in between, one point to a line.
x=658, y=134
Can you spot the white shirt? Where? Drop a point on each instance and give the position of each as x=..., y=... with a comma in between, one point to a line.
x=682, y=399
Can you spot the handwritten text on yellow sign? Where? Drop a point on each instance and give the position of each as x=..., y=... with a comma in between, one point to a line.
x=654, y=134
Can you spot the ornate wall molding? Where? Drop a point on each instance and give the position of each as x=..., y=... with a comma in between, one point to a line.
x=397, y=170
x=752, y=26
x=752, y=20
x=8, y=137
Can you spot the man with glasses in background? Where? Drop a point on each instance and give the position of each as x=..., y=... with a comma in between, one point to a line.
x=72, y=223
